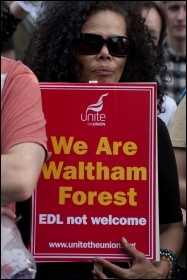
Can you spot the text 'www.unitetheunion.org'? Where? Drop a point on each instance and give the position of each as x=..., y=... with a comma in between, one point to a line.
x=89, y=244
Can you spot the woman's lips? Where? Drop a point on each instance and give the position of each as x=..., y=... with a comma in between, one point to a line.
x=103, y=71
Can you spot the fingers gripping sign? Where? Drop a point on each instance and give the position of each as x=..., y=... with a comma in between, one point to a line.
x=141, y=265
x=118, y=271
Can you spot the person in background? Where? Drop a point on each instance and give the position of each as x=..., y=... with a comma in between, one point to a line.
x=8, y=49
x=11, y=16
x=175, y=47
x=106, y=41
x=155, y=20
x=177, y=131
x=23, y=134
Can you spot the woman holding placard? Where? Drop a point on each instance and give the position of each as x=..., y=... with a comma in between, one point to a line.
x=83, y=41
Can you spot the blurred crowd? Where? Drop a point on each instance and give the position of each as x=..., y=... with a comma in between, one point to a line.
x=17, y=24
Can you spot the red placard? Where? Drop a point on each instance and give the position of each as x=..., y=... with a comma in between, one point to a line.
x=101, y=182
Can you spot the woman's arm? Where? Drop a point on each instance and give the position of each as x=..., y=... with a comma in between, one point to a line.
x=180, y=155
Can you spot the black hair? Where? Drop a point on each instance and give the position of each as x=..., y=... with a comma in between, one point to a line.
x=51, y=54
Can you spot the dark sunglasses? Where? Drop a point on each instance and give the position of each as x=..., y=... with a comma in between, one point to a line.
x=92, y=44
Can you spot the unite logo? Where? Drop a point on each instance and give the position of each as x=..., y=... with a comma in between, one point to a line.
x=96, y=118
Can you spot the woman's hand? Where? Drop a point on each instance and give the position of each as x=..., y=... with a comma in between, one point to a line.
x=141, y=268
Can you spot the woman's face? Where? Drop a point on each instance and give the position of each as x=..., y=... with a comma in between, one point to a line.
x=102, y=67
